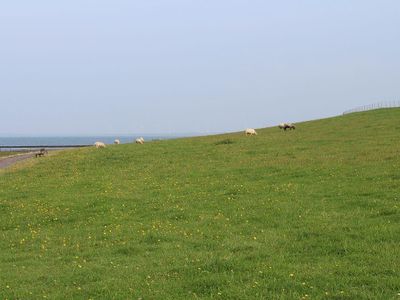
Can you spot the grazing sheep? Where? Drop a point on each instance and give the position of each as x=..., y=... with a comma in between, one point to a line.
x=285, y=126
x=117, y=142
x=99, y=145
x=250, y=131
x=139, y=141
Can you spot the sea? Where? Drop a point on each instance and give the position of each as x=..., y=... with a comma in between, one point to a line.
x=75, y=140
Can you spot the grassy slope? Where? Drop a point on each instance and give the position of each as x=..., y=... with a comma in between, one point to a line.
x=312, y=212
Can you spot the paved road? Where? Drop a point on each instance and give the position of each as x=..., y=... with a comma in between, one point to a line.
x=6, y=162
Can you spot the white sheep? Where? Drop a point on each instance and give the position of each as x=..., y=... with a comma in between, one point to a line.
x=250, y=131
x=117, y=142
x=99, y=145
x=139, y=141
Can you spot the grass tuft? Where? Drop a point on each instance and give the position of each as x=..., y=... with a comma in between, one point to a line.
x=224, y=142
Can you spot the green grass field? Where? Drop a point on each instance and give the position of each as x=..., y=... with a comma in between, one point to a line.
x=307, y=214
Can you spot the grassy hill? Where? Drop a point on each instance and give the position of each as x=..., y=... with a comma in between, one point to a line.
x=311, y=213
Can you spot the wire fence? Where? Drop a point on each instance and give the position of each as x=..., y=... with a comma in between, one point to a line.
x=379, y=105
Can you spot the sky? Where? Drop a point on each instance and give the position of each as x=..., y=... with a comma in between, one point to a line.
x=81, y=67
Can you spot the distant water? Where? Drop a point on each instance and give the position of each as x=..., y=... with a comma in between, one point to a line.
x=87, y=140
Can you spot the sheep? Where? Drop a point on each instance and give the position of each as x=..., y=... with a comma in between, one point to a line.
x=139, y=141
x=285, y=126
x=117, y=142
x=99, y=145
x=250, y=131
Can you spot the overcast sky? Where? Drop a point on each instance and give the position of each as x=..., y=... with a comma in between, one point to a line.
x=81, y=67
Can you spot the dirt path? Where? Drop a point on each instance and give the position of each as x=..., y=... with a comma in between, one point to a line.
x=8, y=161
